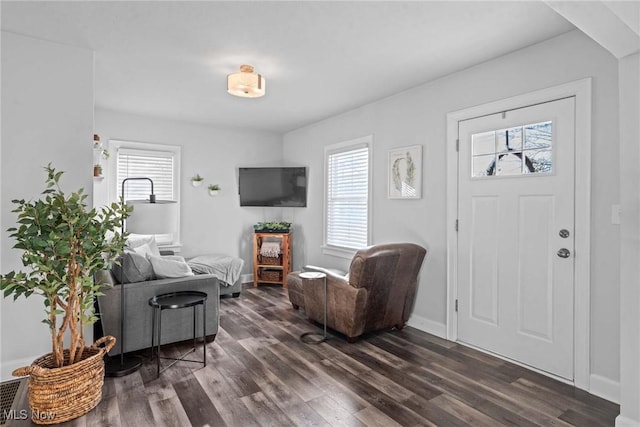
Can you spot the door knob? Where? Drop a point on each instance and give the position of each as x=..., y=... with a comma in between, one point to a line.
x=564, y=233
x=564, y=253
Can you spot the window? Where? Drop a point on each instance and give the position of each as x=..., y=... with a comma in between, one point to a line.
x=161, y=163
x=347, y=196
x=516, y=151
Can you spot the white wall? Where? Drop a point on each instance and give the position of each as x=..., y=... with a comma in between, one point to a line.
x=1, y=210
x=418, y=116
x=208, y=224
x=630, y=242
x=47, y=116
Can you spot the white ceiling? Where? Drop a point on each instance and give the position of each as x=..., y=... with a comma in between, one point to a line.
x=170, y=59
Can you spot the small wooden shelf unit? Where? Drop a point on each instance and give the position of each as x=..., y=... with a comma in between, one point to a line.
x=271, y=270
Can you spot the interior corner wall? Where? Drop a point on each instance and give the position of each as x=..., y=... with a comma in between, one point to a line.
x=630, y=241
x=418, y=116
x=208, y=224
x=1, y=215
x=47, y=116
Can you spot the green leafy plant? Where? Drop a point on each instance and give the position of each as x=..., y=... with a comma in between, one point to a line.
x=63, y=244
x=214, y=187
x=197, y=178
x=272, y=226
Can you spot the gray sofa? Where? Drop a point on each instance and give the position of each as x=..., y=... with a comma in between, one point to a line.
x=224, y=267
x=177, y=325
x=231, y=290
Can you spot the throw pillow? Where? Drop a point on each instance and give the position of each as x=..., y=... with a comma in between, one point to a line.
x=133, y=268
x=144, y=250
x=167, y=268
x=136, y=240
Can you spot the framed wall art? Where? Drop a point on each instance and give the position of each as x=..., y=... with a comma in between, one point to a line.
x=405, y=172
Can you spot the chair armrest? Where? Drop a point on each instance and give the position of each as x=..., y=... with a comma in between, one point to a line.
x=348, y=304
x=330, y=272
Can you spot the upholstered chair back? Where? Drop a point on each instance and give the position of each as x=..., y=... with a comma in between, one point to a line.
x=391, y=285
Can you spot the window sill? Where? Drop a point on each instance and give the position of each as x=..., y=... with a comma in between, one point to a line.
x=346, y=253
x=175, y=247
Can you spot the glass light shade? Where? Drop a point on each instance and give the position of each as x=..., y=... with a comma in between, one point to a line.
x=152, y=218
x=246, y=83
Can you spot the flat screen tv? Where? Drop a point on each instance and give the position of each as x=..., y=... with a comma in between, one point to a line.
x=273, y=186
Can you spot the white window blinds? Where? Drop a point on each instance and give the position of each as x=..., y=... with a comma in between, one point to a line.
x=157, y=165
x=161, y=163
x=347, y=201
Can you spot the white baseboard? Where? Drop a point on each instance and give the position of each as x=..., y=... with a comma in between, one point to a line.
x=428, y=326
x=604, y=388
x=626, y=422
x=246, y=278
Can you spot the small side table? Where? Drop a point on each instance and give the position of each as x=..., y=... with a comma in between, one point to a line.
x=314, y=337
x=173, y=301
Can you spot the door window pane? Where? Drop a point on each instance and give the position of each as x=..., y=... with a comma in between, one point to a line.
x=540, y=161
x=484, y=165
x=509, y=140
x=509, y=164
x=538, y=136
x=484, y=143
x=500, y=152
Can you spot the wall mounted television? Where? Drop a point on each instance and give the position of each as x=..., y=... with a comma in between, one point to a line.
x=273, y=186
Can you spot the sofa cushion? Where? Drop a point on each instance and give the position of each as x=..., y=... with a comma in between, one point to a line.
x=133, y=268
x=104, y=278
x=169, y=267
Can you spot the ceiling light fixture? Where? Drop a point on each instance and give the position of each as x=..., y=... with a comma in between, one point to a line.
x=246, y=83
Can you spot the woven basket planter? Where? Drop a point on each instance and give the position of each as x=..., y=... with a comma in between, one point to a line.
x=271, y=260
x=57, y=395
x=271, y=275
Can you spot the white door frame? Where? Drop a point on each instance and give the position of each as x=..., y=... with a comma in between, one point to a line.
x=581, y=89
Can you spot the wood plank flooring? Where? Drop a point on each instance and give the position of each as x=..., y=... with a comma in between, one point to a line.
x=260, y=374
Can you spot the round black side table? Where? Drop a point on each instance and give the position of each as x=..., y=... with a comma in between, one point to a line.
x=314, y=337
x=174, y=301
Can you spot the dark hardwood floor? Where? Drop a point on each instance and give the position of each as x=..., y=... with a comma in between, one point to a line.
x=260, y=374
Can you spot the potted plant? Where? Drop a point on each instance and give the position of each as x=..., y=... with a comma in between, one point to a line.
x=214, y=189
x=63, y=244
x=273, y=227
x=99, y=154
x=97, y=146
x=196, y=180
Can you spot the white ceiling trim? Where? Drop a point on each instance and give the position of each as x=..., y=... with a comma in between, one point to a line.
x=615, y=26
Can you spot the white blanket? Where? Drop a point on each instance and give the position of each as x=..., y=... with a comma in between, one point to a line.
x=226, y=268
x=270, y=249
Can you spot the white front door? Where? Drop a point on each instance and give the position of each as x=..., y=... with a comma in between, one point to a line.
x=516, y=235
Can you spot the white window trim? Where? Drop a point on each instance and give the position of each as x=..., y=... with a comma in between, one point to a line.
x=339, y=251
x=115, y=193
